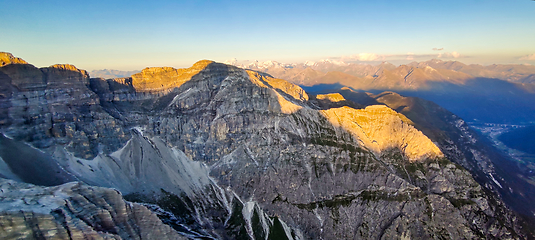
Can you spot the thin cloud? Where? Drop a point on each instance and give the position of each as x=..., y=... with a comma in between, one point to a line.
x=410, y=56
x=450, y=55
x=367, y=57
x=361, y=57
x=530, y=57
x=438, y=49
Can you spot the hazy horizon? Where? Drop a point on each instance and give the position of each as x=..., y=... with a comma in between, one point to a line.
x=396, y=63
x=131, y=35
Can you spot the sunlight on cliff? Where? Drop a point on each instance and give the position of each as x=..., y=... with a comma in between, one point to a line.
x=287, y=107
x=8, y=58
x=154, y=79
x=266, y=81
x=292, y=90
x=380, y=128
x=333, y=97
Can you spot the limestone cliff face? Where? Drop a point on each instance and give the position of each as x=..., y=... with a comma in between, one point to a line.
x=158, y=79
x=273, y=150
x=66, y=74
x=25, y=77
x=75, y=211
x=264, y=80
x=380, y=128
x=54, y=105
x=465, y=147
x=333, y=97
x=8, y=58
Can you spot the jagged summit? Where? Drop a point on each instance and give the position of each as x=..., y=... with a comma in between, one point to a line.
x=202, y=64
x=8, y=58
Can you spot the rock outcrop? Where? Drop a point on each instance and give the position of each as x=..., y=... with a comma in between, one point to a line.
x=8, y=58
x=75, y=211
x=53, y=105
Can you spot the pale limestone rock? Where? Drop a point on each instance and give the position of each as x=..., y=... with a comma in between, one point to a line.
x=380, y=128
x=75, y=211
x=8, y=58
x=267, y=81
x=333, y=97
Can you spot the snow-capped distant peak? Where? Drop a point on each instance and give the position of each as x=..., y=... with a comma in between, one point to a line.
x=268, y=64
x=310, y=63
x=232, y=61
x=335, y=62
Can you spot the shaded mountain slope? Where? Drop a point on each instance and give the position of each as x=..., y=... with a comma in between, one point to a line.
x=457, y=141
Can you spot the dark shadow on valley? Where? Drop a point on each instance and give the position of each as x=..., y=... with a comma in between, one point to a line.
x=481, y=100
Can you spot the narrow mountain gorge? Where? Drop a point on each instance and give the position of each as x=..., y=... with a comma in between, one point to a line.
x=218, y=152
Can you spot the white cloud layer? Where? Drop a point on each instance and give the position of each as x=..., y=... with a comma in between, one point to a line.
x=449, y=55
x=409, y=56
x=530, y=57
x=367, y=57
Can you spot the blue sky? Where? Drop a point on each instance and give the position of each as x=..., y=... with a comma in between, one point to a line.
x=130, y=35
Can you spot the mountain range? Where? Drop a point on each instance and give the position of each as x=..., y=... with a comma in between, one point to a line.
x=215, y=151
x=110, y=73
x=474, y=92
x=433, y=70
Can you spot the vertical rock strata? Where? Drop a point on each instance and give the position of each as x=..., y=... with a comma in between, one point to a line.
x=242, y=154
x=54, y=106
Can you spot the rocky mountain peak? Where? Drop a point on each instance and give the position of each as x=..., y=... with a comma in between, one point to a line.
x=154, y=79
x=67, y=68
x=149, y=70
x=8, y=58
x=163, y=79
x=60, y=74
x=202, y=64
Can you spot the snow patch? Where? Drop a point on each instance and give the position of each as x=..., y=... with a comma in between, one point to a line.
x=140, y=130
x=180, y=96
x=494, y=180
x=315, y=211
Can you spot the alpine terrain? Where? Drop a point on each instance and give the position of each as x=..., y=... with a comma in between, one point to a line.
x=215, y=151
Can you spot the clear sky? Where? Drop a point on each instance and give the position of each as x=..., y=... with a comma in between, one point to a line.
x=129, y=35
